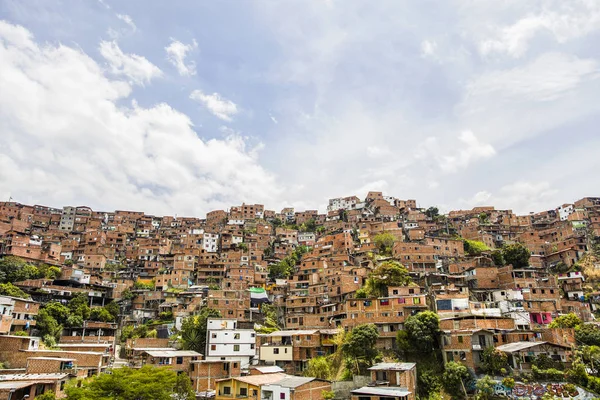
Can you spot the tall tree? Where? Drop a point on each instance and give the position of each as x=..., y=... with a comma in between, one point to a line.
x=384, y=243
x=319, y=367
x=359, y=346
x=423, y=330
x=453, y=379
x=516, y=254
x=193, y=330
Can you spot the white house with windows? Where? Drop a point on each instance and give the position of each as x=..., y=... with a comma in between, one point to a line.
x=226, y=342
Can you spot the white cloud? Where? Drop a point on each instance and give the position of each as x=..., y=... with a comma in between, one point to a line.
x=215, y=104
x=137, y=68
x=520, y=196
x=471, y=149
x=177, y=53
x=428, y=48
x=127, y=19
x=451, y=156
x=548, y=77
x=70, y=140
x=569, y=20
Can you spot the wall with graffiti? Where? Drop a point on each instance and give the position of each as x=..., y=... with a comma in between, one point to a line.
x=533, y=391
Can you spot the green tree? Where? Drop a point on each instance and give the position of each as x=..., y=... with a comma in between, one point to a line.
x=474, y=247
x=508, y=382
x=423, y=330
x=498, y=258
x=48, y=327
x=485, y=388
x=183, y=388
x=359, y=347
x=588, y=334
x=453, y=379
x=15, y=269
x=49, y=271
x=46, y=396
x=146, y=383
x=590, y=355
x=319, y=367
x=386, y=274
x=270, y=323
x=429, y=383
x=308, y=226
x=127, y=294
x=566, y=321
x=193, y=330
x=516, y=254
x=493, y=360
x=57, y=311
x=432, y=212
x=114, y=309
x=8, y=289
x=78, y=305
x=101, y=314
x=384, y=243
x=543, y=361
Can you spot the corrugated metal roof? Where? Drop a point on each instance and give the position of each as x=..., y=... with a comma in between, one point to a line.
x=269, y=369
x=294, y=381
x=394, y=391
x=392, y=366
x=173, y=353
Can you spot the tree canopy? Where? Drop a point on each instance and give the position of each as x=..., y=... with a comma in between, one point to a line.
x=388, y=273
x=432, y=212
x=474, y=247
x=422, y=331
x=385, y=243
x=359, y=347
x=146, y=383
x=493, y=360
x=285, y=268
x=566, y=321
x=516, y=254
x=8, y=289
x=193, y=330
x=453, y=379
x=15, y=269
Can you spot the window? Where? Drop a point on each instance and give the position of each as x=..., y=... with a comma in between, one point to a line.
x=251, y=346
x=226, y=390
x=236, y=347
x=214, y=335
x=179, y=360
x=236, y=335
x=275, y=351
x=460, y=339
x=282, y=396
x=243, y=392
x=213, y=347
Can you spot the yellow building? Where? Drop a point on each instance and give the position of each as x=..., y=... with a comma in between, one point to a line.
x=245, y=386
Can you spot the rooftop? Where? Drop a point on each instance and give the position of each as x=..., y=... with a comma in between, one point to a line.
x=393, y=391
x=392, y=367
x=518, y=346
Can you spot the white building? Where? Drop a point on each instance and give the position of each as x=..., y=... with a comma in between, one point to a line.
x=226, y=342
x=342, y=203
x=565, y=210
x=210, y=242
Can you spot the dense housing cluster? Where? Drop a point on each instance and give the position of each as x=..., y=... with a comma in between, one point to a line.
x=244, y=300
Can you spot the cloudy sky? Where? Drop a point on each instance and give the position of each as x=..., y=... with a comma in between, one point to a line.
x=187, y=106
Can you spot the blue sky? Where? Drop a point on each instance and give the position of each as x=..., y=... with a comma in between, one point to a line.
x=188, y=106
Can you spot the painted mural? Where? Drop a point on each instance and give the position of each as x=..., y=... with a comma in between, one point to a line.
x=535, y=391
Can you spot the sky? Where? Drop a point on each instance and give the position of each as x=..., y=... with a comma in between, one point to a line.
x=179, y=108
